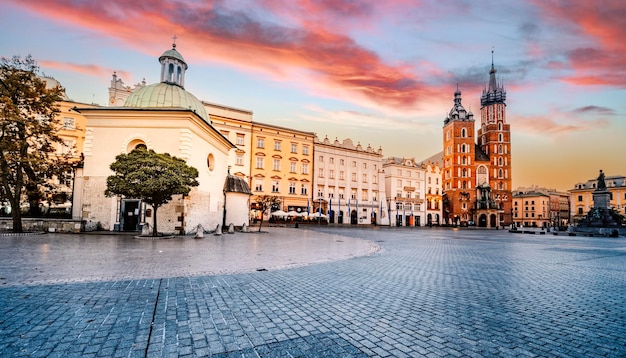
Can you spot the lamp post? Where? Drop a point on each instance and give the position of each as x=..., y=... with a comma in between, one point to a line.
x=319, y=212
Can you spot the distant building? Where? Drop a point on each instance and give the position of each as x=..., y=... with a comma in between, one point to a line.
x=530, y=207
x=349, y=183
x=405, y=185
x=434, y=198
x=581, y=196
x=477, y=166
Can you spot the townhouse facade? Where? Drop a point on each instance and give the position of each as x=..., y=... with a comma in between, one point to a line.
x=348, y=183
x=281, y=165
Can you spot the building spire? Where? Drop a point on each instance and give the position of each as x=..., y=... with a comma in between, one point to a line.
x=493, y=93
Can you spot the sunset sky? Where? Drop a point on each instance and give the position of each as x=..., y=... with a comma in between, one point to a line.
x=382, y=73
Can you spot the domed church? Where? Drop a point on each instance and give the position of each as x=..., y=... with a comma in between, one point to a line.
x=166, y=118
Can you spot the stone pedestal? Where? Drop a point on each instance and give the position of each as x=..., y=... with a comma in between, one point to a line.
x=601, y=199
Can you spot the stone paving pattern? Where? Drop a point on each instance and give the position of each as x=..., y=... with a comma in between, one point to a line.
x=425, y=292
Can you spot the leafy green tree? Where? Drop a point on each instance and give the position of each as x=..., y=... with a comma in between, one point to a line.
x=28, y=131
x=151, y=177
x=265, y=202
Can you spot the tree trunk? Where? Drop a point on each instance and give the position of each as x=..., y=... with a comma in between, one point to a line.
x=261, y=223
x=16, y=215
x=155, y=232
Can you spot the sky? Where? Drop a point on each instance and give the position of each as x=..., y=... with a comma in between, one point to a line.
x=382, y=73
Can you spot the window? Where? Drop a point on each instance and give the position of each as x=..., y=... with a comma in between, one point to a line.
x=353, y=164
x=258, y=185
x=364, y=178
x=292, y=167
x=259, y=163
x=463, y=132
x=364, y=165
x=260, y=143
x=305, y=168
x=276, y=165
x=375, y=179
x=240, y=139
x=341, y=162
x=580, y=211
x=500, y=137
x=353, y=194
x=275, y=186
x=580, y=198
x=353, y=176
x=331, y=174
x=68, y=123
x=364, y=195
x=276, y=145
x=332, y=160
x=292, y=188
x=399, y=183
x=320, y=173
x=210, y=161
x=294, y=148
x=305, y=149
x=321, y=159
x=341, y=175
x=239, y=159
x=303, y=189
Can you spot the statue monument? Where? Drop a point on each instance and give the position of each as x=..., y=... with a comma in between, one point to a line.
x=601, y=218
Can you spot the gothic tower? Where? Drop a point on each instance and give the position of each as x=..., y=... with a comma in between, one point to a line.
x=494, y=137
x=459, y=151
x=477, y=169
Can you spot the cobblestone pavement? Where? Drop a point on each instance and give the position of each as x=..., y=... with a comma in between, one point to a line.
x=380, y=292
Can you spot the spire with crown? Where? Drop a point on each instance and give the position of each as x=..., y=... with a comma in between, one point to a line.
x=458, y=112
x=495, y=92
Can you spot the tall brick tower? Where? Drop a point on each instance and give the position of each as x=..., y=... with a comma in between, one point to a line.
x=459, y=151
x=477, y=169
x=494, y=137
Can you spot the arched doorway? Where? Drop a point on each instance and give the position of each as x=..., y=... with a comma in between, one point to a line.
x=437, y=219
x=429, y=220
x=482, y=220
x=331, y=217
x=353, y=217
x=492, y=220
x=340, y=218
x=373, y=218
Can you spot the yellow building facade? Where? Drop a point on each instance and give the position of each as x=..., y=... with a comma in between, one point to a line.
x=281, y=165
x=581, y=197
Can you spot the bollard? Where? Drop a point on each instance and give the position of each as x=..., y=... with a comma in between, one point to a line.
x=199, y=232
x=218, y=230
x=231, y=228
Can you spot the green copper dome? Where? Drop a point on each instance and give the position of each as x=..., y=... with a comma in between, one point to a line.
x=164, y=96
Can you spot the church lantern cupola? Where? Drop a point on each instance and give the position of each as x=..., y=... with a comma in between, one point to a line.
x=173, y=67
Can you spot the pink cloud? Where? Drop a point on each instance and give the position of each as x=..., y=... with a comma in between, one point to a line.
x=87, y=69
x=605, y=62
x=212, y=32
x=555, y=123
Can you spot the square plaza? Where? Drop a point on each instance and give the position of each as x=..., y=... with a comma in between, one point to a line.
x=319, y=291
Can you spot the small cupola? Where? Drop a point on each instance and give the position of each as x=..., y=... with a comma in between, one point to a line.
x=173, y=67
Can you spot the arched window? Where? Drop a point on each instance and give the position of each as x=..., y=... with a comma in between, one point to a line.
x=500, y=161
x=171, y=73
x=463, y=161
x=464, y=184
x=179, y=75
x=464, y=174
x=462, y=148
x=463, y=132
x=500, y=149
x=500, y=137
x=500, y=173
x=499, y=126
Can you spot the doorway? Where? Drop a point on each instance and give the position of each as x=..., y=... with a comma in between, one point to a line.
x=130, y=215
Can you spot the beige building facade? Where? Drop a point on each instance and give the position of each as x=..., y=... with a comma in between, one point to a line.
x=405, y=187
x=348, y=183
